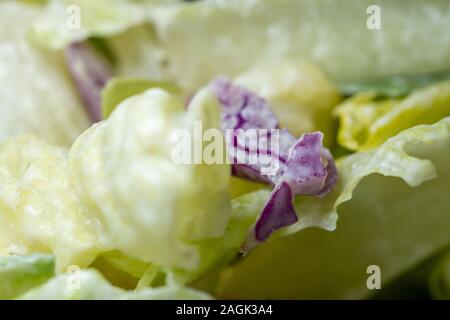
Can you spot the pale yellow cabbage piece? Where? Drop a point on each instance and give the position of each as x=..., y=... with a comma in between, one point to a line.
x=300, y=94
x=366, y=122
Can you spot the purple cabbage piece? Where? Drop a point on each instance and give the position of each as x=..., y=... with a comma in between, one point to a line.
x=292, y=166
x=305, y=171
x=90, y=73
x=242, y=108
x=277, y=213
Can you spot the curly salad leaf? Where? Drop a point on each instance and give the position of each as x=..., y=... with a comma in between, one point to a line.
x=383, y=221
x=366, y=122
x=133, y=150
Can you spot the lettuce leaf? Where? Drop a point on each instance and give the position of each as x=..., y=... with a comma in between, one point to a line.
x=120, y=25
x=120, y=88
x=394, y=86
x=90, y=285
x=58, y=24
x=134, y=267
x=239, y=187
x=78, y=206
x=138, y=54
x=29, y=102
x=18, y=274
x=383, y=221
x=39, y=211
x=216, y=253
x=366, y=122
x=132, y=150
x=213, y=37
